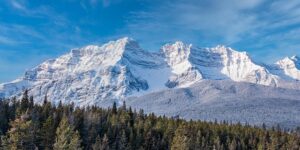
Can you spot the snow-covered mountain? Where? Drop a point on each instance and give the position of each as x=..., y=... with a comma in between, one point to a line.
x=92, y=74
x=290, y=67
x=121, y=69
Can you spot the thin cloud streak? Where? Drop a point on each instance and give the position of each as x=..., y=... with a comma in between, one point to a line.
x=251, y=24
x=18, y=5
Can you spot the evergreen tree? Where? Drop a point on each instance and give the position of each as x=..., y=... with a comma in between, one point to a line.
x=105, y=143
x=124, y=106
x=21, y=135
x=101, y=145
x=31, y=102
x=233, y=145
x=60, y=127
x=4, y=116
x=47, y=134
x=24, y=102
x=123, y=142
x=114, y=109
x=97, y=145
x=182, y=139
x=66, y=137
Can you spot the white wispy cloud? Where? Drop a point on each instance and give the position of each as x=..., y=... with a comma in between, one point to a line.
x=55, y=28
x=227, y=19
x=103, y=3
x=6, y=40
x=41, y=11
x=18, y=5
x=11, y=34
x=254, y=24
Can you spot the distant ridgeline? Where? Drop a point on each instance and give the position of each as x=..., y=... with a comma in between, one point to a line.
x=25, y=125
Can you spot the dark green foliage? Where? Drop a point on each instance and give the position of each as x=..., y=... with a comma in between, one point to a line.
x=25, y=125
x=47, y=133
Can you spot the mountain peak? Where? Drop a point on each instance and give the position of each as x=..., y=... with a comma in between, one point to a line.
x=290, y=62
x=226, y=49
x=117, y=46
x=221, y=47
x=295, y=58
x=121, y=43
x=290, y=66
x=125, y=39
x=120, y=68
x=176, y=46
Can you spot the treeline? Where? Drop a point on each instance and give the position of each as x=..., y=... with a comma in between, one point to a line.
x=25, y=125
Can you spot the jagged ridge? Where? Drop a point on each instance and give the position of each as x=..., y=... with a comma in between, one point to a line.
x=118, y=69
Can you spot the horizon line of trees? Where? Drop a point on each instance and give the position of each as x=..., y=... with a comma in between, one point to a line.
x=28, y=126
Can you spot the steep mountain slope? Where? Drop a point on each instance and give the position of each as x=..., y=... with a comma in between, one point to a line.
x=225, y=100
x=290, y=67
x=177, y=57
x=216, y=63
x=119, y=69
x=91, y=74
x=225, y=63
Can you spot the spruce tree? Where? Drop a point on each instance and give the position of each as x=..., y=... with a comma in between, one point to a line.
x=123, y=141
x=47, y=134
x=233, y=145
x=66, y=137
x=114, y=109
x=21, y=135
x=24, y=103
x=181, y=139
x=105, y=143
x=97, y=144
x=4, y=116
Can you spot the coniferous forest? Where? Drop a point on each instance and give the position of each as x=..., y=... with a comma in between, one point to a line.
x=25, y=125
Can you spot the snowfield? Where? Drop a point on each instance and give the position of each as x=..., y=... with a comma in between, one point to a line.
x=225, y=100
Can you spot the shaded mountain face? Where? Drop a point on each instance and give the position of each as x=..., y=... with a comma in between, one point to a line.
x=120, y=69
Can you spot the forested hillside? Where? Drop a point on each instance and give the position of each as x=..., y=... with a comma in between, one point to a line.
x=25, y=125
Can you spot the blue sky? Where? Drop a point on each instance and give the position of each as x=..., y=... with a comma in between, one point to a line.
x=36, y=30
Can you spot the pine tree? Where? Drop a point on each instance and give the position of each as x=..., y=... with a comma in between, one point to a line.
x=216, y=143
x=114, y=109
x=75, y=141
x=97, y=145
x=105, y=143
x=4, y=143
x=101, y=145
x=66, y=137
x=181, y=139
x=124, y=106
x=4, y=116
x=198, y=140
x=20, y=135
x=46, y=109
x=47, y=133
x=123, y=141
x=31, y=102
x=24, y=102
x=233, y=145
